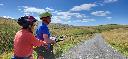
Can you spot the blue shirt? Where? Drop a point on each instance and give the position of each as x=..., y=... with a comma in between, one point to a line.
x=42, y=29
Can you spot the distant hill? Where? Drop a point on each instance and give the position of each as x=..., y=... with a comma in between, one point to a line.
x=58, y=25
x=2, y=18
x=51, y=24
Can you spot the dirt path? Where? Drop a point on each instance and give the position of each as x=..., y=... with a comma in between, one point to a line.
x=95, y=48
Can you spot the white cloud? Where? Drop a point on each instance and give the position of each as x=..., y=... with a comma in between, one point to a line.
x=83, y=7
x=28, y=9
x=55, y=12
x=68, y=15
x=87, y=20
x=110, y=1
x=100, y=13
x=56, y=19
x=49, y=9
x=99, y=3
x=109, y=18
x=19, y=9
x=59, y=16
x=37, y=18
x=1, y=4
x=64, y=15
x=8, y=17
x=27, y=13
x=69, y=21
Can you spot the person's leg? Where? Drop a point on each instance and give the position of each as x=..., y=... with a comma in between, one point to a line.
x=50, y=55
x=40, y=52
x=43, y=53
x=40, y=57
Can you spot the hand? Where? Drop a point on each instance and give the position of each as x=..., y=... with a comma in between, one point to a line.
x=53, y=38
x=50, y=41
x=45, y=43
x=53, y=42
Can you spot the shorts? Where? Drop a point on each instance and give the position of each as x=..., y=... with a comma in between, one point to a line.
x=46, y=53
x=16, y=57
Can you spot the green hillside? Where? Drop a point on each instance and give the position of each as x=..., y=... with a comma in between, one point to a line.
x=72, y=35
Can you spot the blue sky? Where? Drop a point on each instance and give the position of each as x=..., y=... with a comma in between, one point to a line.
x=73, y=12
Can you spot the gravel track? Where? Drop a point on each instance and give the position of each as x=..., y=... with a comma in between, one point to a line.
x=95, y=48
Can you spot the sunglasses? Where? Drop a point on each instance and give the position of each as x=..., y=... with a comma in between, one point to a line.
x=46, y=17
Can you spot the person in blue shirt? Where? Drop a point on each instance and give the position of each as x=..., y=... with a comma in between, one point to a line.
x=42, y=33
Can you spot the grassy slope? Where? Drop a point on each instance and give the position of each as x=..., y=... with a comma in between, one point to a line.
x=73, y=35
x=118, y=38
x=7, y=31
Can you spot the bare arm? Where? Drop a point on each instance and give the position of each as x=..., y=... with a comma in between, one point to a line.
x=47, y=39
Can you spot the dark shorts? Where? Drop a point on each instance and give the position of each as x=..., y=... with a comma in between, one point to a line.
x=46, y=53
x=16, y=57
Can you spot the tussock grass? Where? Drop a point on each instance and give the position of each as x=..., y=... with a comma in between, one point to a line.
x=118, y=38
x=72, y=35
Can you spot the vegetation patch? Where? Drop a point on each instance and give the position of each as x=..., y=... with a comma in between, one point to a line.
x=118, y=39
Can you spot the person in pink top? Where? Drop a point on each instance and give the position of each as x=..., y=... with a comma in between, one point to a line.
x=24, y=39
